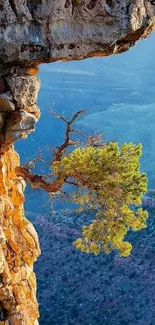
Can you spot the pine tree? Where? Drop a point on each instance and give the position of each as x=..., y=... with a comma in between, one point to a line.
x=106, y=179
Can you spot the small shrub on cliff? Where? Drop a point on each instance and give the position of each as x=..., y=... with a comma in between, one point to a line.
x=107, y=179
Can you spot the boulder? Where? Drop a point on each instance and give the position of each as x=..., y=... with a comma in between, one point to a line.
x=24, y=89
x=18, y=125
x=6, y=102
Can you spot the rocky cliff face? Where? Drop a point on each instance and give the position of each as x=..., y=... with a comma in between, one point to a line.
x=35, y=31
x=19, y=246
x=44, y=30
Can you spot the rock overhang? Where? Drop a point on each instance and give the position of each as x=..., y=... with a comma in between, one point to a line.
x=37, y=31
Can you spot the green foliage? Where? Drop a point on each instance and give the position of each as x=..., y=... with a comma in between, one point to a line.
x=110, y=182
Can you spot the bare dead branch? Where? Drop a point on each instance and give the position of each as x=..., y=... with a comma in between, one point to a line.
x=79, y=132
x=96, y=140
x=60, y=150
x=71, y=183
x=77, y=114
x=44, y=182
x=73, y=143
x=56, y=115
x=64, y=194
x=32, y=163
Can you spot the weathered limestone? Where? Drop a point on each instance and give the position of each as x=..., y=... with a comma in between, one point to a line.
x=18, y=110
x=24, y=89
x=6, y=102
x=18, y=125
x=34, y=31
x=19, y=246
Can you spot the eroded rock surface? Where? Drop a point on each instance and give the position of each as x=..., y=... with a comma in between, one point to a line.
x=19, y=246
x=18, y=110
x=34, y=31
x=24, y=89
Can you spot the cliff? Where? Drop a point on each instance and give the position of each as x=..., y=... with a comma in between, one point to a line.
x=19, y=246
x=32, y=32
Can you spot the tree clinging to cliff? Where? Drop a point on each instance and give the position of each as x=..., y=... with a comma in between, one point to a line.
x=105, y=178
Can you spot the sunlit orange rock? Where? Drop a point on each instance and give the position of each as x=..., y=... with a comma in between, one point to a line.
x=19, y=247
x=32, y=71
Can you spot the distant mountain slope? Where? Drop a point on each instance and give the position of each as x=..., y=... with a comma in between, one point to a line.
x=76, y=288
x=119, y=93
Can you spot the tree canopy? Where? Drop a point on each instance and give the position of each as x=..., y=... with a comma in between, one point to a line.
x=105, y=178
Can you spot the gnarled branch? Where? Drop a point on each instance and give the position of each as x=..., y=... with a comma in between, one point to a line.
x=54, y=186
x=67, y=142
x=38, y=181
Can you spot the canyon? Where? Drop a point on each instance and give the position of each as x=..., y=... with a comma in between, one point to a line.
x=34, y=32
